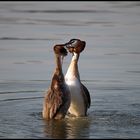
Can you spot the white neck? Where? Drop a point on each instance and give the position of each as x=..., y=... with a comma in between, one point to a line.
x=75, y=56
x=72, y=71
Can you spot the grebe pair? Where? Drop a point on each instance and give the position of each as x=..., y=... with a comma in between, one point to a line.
x=66, y=94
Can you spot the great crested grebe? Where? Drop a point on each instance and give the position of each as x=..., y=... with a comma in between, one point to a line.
x=80, y=97
x=57, y=98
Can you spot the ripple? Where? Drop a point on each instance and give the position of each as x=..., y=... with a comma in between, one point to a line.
x=37, y=115
x=136, y=72
x=116, y=88
x=17, y=38
x=7, y=49
x=137, y=105
x=29, y=61
x=19, y=63
x=123, y=53
x=26, y=98
x=111, y=54
x=116, y=118
x=64, y=11
x=34, y=61
x=133, y=53
x=21, y=91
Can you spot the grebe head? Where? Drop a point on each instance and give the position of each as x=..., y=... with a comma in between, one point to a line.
x=75, y=45
x=60, y=50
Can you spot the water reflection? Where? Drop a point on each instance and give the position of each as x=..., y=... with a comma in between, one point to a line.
x=68, y=128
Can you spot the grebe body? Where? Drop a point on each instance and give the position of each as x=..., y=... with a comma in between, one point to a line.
x=57, y=98
x=80, y=97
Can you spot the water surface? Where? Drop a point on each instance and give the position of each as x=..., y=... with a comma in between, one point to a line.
x=109, y=67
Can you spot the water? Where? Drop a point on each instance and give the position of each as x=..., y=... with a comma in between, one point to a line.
x=109, y=67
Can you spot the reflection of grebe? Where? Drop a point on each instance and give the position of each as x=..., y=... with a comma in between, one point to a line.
x=68, y=128
x=57, y=99
x=80, y=97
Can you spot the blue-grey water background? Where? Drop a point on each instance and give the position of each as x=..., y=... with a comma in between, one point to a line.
x=109, y=67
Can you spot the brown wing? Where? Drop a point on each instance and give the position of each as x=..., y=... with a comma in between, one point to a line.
x=53, y=101
x=87, y=96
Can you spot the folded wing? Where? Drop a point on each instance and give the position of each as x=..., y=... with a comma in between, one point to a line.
x=87, y=96
x=53, y=102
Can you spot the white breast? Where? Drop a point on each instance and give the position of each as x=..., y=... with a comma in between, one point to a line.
x=77, y=106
